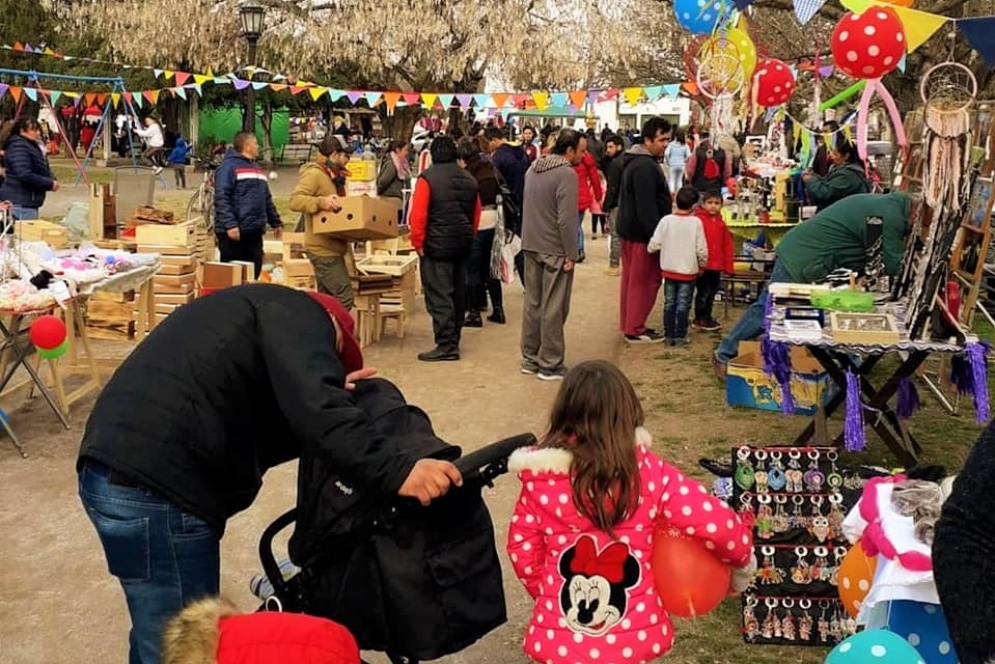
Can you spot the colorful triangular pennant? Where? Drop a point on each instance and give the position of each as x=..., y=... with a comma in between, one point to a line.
x=201, y=79
x=428, y=99
x=412, y=98
x=335, y=95
x=464, y=100
x=446, y=100
x=481, y=100
x=354, y=96
x=391, y=99
x=240, y=83
x=259, y=85
x=632, y=95
x=557, y=99
x=115, y=98
x=181, y=77
x=980, y=34
x=500, y=99
x=180, y=92
x=806, y=9
x=53, y=96
x=541, y=100
x=317, y=92
x=373, y=98
x=32, y=93
x=653, y=91
x=919, y=26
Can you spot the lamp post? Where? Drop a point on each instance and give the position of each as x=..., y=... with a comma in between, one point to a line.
x=252, y=17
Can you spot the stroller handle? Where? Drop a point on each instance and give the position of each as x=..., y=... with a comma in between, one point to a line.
x=472, y=463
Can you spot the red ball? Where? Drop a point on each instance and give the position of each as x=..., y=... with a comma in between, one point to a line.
x=690, y=580
x=869, y=45
x=774, y=82
x=47, y=332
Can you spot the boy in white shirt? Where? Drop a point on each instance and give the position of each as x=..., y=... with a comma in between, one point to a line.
x=680, y=239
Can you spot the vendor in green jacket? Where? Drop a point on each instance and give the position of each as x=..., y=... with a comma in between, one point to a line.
x=845, y=177
x=832, y=239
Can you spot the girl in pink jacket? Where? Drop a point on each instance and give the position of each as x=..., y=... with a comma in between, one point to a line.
x=581, y=536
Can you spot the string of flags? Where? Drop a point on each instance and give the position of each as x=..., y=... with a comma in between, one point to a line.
x=186, y=83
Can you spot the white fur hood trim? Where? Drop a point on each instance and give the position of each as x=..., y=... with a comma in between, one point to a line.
x=557, y=460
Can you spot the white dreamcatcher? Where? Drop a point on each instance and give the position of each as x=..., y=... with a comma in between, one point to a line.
x=948, y=91
x=720, y=78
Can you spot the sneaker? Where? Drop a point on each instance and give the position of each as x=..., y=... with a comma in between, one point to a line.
x=551, y=375
x=529, y=369
x=709, y=325
x=647, y=337
x=612, y=271
x=696, y=324
x=581, y=256
x=158, y=170
x=680, y=343
x=719, y=367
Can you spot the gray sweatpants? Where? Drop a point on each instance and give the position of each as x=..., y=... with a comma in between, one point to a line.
x=615, y=251
x=547, y=304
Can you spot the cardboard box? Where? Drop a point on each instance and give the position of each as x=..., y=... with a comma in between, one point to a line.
x=220, y=275
x=362, y=169
x=248, y=271
x=361, y=218
x=747, y=384
x=178, y=235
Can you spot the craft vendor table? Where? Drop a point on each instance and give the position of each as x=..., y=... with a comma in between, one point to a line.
x=838, y=358
x=747, y=229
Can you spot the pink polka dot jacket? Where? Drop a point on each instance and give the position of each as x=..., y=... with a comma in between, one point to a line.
x=595, y=597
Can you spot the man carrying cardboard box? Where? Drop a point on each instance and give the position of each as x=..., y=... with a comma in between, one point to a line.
x=319, y=186
x=243, y=204
x=445, y=213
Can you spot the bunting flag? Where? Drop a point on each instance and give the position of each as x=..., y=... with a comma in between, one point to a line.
x=412, y=98
x=152, y=96
x=672, y=90
x=157, y=72
x=373, y=98
x=275, y=87
x=335, y=95
x=53, y=96
x=259, y=85
x=558, y=99
x=632, y=95
x=593, y=96
x=180, y=92
x=89, y=98
x=32, y=93
x=317, y=93
x=115, y=98
x=481, y=100
x=391, y=99
x=138, y=100
x=168, y=74
x=240, y=84
x=806, y=9
x=297, y=89
x=181, y=77
x=198, y=89
x=980, y=34
x=541, y=100
x=201, y=79
x=919, y=26
x=464, y=100
x=445, y=99
x=428, y=99
x=500, y=99
x=578, y=97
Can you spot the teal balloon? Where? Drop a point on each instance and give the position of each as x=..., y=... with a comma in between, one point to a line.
x=699, y=17
x=874, y=646
x=53, y=353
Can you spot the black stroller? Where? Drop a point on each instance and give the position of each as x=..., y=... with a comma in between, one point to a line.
x=414, y=582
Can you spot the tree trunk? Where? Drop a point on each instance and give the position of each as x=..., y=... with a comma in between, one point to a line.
x=267, y=122
x=401, y=124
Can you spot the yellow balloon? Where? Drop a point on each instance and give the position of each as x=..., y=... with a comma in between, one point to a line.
x=737, y=43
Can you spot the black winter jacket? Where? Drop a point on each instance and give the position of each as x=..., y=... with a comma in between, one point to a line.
x=644, y=197
x=613, y=175
x=242, y=198
x=449, y=233
x=227, y=387
x=28, y=175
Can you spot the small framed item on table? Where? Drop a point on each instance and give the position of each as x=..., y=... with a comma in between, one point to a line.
x=864, y=328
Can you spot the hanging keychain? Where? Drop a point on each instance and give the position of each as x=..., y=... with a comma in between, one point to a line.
x=793, y=475
x=821, y=570
x=769, y=574
x=760, y=475
x=814, y=478
x=746, y=504
x=835, y=624
x=750, y=625
x=788, y=623
x=765, y=518
x=818, y=525
x=781, y=522
x=744, y=471
x=834, y=480
x=801, y=573
x=776, y=479
x=823, y=622
x=767, y=631
x=839, y=553
x=771, y=603
x=798, y=519
x=805, y=621
x=836, y=515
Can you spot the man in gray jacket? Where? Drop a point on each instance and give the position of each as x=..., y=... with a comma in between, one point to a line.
x=549, y=242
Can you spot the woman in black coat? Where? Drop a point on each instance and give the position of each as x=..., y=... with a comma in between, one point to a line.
x=27, y=174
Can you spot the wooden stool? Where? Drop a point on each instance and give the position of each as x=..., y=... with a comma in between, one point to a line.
x=395, y=312
x=368, y=319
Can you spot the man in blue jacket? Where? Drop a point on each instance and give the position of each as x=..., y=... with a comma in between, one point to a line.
x=243, y=204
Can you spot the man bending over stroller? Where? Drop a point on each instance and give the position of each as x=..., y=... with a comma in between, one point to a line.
x=178, y=441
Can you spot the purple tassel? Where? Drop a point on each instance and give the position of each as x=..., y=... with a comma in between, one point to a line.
x=777, y=363
x=908, y=399
x=853, y=426
x=976, y=358
x=768, y=310
x=960, y=374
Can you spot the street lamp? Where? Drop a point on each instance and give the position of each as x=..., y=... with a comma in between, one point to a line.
x=252, y=18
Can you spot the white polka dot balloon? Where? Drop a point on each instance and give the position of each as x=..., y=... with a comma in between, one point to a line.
x=874, y=646
x=869, y=45
x=774, y=83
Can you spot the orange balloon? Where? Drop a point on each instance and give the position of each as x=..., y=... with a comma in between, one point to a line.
x=854, y=578
x=900, y=3
x=690, y=580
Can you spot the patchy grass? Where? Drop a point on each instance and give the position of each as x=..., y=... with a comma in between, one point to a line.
x=688, y=416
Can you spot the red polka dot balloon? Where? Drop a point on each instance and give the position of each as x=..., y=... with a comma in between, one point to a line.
x=868, y=45
x=774, y=82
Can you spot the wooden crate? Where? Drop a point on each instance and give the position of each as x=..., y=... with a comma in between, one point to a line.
x=38, y=230
x=109, y=319
x=177, y=235
x=156, y=216
x=164, y=250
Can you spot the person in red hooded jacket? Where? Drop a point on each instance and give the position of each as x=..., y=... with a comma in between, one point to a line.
x=214, y=631
x=588, y=191
x=720, y=259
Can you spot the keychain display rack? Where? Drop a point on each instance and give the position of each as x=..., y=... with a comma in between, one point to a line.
x=796, y=498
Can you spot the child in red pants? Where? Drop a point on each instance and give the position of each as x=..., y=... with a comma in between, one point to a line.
x=719, y=241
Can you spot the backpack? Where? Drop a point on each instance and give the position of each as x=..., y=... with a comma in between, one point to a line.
x=712, y=169
x=421, y=582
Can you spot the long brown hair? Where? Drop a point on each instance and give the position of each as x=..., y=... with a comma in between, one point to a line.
x=595, y=416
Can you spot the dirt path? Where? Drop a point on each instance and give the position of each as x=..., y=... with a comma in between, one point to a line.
x=59, y=603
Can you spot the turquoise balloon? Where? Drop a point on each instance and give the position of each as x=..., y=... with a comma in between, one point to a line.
x=874, y=646
x=699, y=17
x=53, y=353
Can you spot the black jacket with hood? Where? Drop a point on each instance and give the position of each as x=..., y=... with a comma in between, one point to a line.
x=644, y=197
x=512, y=162
x=226, y=388
x=613, y=176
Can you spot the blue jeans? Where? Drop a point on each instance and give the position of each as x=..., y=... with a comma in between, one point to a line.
x=580, y=231
x=677, y=297
x=25, y=213
x=163, y=556
x=751, y=323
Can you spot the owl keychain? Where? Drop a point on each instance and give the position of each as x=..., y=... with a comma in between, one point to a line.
x=744, y=470
x=814, y=478
x=776, y=479
x=818, y=524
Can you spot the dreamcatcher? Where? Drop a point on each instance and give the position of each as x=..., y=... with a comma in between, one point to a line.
x=948, y=93
x=720, y=77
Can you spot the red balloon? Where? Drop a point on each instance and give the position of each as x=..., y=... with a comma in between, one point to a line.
x=774, y=82
x=690, y=580
x=47, y=332
x=868, y=45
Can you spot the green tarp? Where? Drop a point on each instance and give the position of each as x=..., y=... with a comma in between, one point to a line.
x=221, y=124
